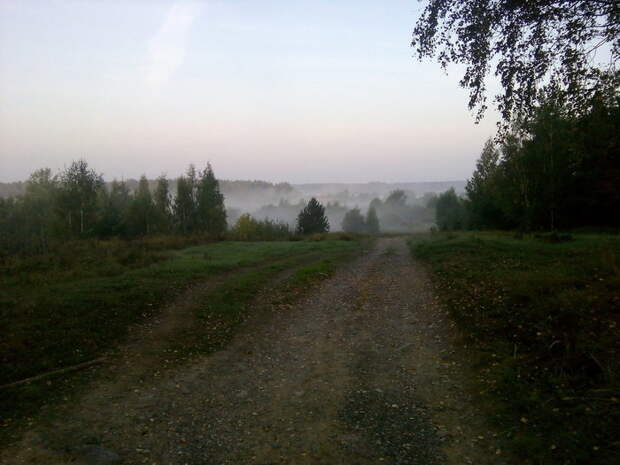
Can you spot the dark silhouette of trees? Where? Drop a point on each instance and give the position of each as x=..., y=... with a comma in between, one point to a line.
x=353, y=222
x=450, y=211
x=184, y=208
x=142, y=213
x=556, y=170
x=397, y=198
x=210, y=211
x=78, y=204
x=114, y=210
x=535, y=47
x=482, y=189
x=38, y=206
x=372, y=221
x=162, y=203
x=77, y=198
x=312, y=219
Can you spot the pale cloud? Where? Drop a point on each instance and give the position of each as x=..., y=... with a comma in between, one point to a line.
x=167, y=48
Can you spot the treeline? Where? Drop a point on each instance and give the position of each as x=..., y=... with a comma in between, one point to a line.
x=76, y=203
x=554, y=171
x=355, y=222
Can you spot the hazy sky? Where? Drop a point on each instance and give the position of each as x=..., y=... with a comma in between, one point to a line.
x=301, y=91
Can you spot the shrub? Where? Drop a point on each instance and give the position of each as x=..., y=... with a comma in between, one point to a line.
x=249, y=229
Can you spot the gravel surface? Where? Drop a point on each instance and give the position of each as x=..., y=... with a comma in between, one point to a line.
x=366, y=369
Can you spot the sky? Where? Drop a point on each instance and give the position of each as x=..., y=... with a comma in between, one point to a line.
x=297, y=91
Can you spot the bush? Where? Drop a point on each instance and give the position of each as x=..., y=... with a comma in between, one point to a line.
x=249, y=229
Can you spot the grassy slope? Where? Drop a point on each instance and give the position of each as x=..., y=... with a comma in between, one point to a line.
x=58, y=317
x=545, y=320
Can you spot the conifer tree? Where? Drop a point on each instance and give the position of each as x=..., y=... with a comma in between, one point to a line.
x=211, y=213
x=184, y=205
x=312, y=218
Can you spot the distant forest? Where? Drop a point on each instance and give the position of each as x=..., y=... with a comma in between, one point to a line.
x=78, y=203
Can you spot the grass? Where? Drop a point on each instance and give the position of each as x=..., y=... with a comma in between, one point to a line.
x=237, y=298
x=544, y=318
x=57, y=312
x=54, y=319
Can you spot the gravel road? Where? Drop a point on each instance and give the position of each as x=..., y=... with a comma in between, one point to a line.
x=365, y=369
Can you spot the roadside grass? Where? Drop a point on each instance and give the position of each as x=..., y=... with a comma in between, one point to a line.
x=80, y=312
x=544, y=318
x=64, y=319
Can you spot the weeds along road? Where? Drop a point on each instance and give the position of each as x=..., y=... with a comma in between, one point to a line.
x=364, y=369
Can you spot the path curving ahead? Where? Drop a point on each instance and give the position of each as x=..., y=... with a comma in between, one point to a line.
x=364, y=370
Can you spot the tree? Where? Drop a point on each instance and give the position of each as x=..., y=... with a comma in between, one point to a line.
x=142, y=210
x=372, y=221
x=38, y=205
x=449, y=211
x=312, y=219
x=536, y=47
x=184, y=208
x=211, y=213
x=397, y=198
x=161, y=199
x=481, y=189
x=114, y=210
x=353, y=222
x=79, y=186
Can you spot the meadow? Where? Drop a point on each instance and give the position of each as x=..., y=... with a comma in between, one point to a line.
x=542, y=314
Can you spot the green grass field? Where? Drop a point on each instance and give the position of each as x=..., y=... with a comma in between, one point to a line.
x=59, y=311
x=544, y=318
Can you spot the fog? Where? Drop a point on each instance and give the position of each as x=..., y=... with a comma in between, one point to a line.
x=410, y=210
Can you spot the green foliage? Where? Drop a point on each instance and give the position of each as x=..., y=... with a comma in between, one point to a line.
x=249, y=229
x=535, y=47
x=543, y=316
x=483, y=191
x=210, y=211
x=77, y=198
x=312, y=219
x=199, y=204
x=113, y=210
x=184, y=207
x=552, y=171
x=162, y=204
x=142, y=215
x=76, y=204
x=450, y=211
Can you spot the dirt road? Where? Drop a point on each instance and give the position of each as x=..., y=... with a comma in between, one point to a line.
x=365, y=369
